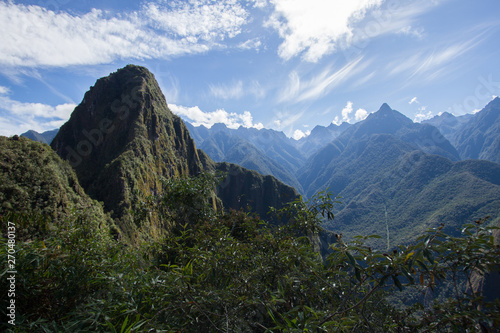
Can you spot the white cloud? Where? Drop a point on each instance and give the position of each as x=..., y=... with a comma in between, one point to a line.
x=360, y=114
x=422, y=115
x=4, y=90
x=19, y=117
x=251, y=44
x=314, y=28
x=201, y=19
x=298, y=134
x=413, y=100
x=346, y=111
x=34, y=36
x=336, y=121
x=198, y=117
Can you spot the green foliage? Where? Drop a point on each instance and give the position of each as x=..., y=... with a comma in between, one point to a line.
x=39, y=191
x=306, y=217
x=233, y=273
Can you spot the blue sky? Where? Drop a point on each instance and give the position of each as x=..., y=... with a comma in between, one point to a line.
x=288, y=65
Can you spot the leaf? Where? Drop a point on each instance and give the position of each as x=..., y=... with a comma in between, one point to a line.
x=429, y=256
x=409, y=255
x=124, y=325
x=358, y=274
x=422, y=280
x=351, y=258
x=421, y=264
x=397, y=282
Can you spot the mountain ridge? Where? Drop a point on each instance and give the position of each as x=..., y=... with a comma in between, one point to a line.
x=122, y=140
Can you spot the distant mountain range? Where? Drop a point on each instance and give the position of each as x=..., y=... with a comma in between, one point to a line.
x=396, y=177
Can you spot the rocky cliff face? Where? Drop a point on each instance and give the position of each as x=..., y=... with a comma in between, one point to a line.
x=247, y=189
x=122, y=140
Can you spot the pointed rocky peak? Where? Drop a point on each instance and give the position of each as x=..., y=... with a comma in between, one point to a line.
x=386, y=113
x=122, y=139
x=385, y=108
x=384, y=121
x=495, y=103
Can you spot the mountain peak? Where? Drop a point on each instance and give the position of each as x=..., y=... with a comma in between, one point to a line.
x=385, y=108
x=386, y=114
x=122, y=139
x=494, y=103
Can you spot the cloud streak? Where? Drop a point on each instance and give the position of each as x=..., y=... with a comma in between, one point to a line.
x=299, y=90
x=32, y=36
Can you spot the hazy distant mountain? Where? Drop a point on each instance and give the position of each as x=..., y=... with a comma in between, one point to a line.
x=266, y=151
x=479, y=138
x=227, y=147
x=45, y=137
x=320, y=136
x=448, y=124
x=319, y=170
x=400, y=176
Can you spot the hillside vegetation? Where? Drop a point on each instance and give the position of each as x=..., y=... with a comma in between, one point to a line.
x=232, y=272
x=125, y=226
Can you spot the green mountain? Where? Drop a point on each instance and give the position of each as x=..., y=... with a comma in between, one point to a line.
x=448, y=124
x=479, y=138
x=122, y=140
x=322, y=169
x=395, y=180
x=45, y=137
x=266, y=151
x=39, y=189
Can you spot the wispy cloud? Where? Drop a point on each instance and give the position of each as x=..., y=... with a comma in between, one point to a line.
x=432, y=63
x=198, y=117
x=227, y=91
x=18, y=116
x=299, y=90
x=34, y=36
x=236, y=90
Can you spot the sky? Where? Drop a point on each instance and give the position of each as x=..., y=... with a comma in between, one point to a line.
x=287, y=65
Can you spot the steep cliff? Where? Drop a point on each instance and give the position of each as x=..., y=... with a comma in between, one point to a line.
x=122, y=139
